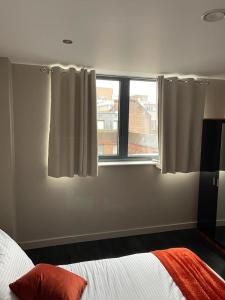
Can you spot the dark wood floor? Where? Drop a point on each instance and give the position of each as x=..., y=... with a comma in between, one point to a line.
x=220, y=235
x=78, y=252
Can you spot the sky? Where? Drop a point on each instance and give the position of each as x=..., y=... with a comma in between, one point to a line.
x=137, y=87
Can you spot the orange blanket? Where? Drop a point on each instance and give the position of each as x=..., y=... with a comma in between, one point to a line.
x=194, y=278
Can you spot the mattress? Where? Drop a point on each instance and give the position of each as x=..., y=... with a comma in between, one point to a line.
x=133, y=277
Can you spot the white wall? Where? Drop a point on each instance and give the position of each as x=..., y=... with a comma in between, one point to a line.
x=120, y=198
x=215, y=100
x=7, y=208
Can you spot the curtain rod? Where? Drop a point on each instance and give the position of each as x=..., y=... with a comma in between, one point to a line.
x=46, y=69
x=188, y=80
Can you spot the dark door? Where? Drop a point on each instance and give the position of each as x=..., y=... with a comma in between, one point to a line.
x=208, y=185
x=220, y=218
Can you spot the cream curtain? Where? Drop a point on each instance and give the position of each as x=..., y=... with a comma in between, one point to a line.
x=181, y=110
x=73, y=129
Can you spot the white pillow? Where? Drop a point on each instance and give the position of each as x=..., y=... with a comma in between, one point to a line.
x=13, y=264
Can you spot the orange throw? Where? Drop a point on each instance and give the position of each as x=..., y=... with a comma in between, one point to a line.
x=193, y=277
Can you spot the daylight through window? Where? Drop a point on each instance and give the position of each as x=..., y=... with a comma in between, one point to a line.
x=126, y=118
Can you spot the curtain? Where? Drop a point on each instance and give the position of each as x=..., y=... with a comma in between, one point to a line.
x=181, y=111
x=73, y=129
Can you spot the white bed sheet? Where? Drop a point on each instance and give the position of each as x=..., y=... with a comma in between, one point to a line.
x=133, y=277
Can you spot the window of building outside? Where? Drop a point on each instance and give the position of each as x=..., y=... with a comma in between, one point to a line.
x=101, y=124
x=100, y=149
x=115, y=149
x=115, y=125
x=127, y=118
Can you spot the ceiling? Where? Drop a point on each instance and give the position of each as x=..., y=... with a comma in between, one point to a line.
x=117, y=36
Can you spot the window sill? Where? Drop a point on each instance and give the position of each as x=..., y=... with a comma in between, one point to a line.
x=126, y=163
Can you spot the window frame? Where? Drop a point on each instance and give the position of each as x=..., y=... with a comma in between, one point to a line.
x=123, y=120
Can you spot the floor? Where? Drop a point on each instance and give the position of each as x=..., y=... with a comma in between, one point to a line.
x=220, y=235
x=78, y=252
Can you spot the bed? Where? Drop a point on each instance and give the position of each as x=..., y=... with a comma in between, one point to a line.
x=138, y=276
x=134, y=277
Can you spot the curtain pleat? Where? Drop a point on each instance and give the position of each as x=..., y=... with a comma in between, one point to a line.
x=181, y=111
x=73, y=129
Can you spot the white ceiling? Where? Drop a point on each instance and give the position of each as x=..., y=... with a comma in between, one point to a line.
x=117, y=36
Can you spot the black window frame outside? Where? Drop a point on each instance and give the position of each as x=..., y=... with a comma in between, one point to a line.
x=123, y=120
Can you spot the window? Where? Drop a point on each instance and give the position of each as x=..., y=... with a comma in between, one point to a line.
x=100, y=149
x=101, y=124
x=142, y=133
x=127, y=118
x=114, y=149
x=115, y=125
x=108, y=97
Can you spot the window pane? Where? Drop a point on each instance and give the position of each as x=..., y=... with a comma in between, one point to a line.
x=100, y=149
x=101, y=124
x=115, y=125
x=143, y=127
x=107, y=116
